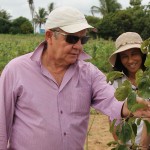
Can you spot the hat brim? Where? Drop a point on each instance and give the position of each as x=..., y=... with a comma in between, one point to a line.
x=112, y=58
x=76, y=27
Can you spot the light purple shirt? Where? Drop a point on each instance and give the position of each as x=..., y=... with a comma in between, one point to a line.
x=37, y=114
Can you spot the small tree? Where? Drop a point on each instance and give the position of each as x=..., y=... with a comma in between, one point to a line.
x=127, y=128
x=5, y=25
x=26, y=27
x=40, y=17
x=106, y=7
x=135, y=3
x=50, y=7
x=4, y=14
x=32, y=10
x=21, y=25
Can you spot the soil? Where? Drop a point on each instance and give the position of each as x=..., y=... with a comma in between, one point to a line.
x=99, y=134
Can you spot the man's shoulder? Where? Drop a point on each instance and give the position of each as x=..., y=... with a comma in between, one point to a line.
x=17, y=62
x=20, y=59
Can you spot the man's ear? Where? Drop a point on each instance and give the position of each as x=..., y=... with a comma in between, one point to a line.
x=48, y=34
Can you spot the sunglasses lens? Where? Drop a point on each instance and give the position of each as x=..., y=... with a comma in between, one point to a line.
x=74, y=39
x=84, y=39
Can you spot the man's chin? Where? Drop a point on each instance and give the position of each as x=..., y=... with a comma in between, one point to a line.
x=72, y=61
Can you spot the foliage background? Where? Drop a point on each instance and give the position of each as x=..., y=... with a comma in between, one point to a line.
x=12, y=46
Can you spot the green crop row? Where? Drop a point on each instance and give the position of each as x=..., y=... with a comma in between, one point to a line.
x=12, y=46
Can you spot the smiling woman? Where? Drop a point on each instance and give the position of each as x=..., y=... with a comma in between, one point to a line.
x=128, y=56
x=128, y=59
x=132, y=61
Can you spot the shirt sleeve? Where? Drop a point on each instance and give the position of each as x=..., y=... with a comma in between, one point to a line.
x=7, y=104
x=103, y=96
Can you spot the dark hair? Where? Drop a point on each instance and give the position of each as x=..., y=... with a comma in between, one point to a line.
x=45, y=45
x=119, y=66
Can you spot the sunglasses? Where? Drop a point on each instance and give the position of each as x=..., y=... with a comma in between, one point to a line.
x=72, y=39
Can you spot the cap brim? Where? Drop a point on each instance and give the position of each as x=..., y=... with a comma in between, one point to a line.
x=112, y=58
x=75, y=27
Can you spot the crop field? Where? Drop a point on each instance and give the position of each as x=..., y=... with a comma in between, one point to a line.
x=12, y=46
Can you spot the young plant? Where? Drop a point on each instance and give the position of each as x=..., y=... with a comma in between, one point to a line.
x=126, y=130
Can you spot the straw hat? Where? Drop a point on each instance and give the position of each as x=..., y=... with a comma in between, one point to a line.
x=125, y=42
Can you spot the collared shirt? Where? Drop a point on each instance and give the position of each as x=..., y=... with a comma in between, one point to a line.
x=37, y=114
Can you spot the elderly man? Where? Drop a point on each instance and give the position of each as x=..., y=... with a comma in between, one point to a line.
x=45, y=96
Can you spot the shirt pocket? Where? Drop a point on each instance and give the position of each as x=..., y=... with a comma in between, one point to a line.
x=81, y=100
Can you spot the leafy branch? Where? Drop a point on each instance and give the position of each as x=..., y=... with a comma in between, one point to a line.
x=126, y=130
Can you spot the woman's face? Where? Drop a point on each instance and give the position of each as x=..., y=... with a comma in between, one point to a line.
x=131, y=59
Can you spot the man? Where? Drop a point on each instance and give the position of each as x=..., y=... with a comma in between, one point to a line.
x=45, y=96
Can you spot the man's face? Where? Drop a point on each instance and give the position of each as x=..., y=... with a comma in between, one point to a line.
x=63, y=52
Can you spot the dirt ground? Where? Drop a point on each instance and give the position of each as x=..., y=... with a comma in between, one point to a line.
x=99, y=134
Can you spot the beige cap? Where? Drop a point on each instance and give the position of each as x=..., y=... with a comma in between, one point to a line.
x=68, y=19
x=124, y=42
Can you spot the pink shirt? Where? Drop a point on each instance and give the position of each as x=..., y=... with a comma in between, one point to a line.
x=37, y=114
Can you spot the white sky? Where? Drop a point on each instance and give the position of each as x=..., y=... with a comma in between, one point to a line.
x=18, y=8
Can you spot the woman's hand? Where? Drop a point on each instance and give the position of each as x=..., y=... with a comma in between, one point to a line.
x=143, y=112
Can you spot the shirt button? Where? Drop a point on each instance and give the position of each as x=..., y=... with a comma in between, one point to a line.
x=64, y=133
x=61, y=112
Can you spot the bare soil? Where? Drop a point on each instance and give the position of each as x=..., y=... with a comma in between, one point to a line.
x=99, y=134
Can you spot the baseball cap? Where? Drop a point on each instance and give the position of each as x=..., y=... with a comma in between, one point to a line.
x=125, y=42
x=68, y=19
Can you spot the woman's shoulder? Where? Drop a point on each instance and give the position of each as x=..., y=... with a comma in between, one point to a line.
x=119, y=81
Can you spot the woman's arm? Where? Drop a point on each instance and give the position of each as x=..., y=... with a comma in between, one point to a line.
x=145, y=138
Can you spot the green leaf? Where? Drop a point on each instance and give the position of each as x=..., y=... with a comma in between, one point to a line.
x=131, y=100
x=147, y=61
x=113, y=76
x=139, y=75
x=123, y=91
x=112, y=143
x=138, y=121
x=137, y=106
x=125, y=134
x=134, y=147
x=113, y=148
x=122, y=147
x=144, y=85
x=127, y=83
x=134, y=127
x=112, y=125
x=118, y=129
x=147, y=123
x=145, y=47
x=134, y=132
x=131, y=120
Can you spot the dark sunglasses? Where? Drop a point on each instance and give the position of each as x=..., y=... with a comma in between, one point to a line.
x=72, y=39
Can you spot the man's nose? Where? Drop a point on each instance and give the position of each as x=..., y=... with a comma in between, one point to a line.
x=78, y=45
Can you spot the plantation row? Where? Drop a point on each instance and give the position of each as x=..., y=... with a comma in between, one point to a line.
x=12, y=46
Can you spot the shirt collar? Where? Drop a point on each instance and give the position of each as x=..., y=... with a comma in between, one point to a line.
x=36, y=55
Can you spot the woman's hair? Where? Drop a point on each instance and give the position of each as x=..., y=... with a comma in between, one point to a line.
x=119, y=66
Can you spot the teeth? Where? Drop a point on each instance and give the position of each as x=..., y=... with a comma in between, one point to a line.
x=133, y=65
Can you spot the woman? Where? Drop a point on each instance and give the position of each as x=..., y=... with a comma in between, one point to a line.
x=128, y=59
